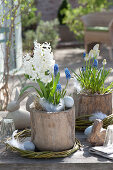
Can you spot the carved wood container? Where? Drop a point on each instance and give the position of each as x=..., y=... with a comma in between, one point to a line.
x=53, y=131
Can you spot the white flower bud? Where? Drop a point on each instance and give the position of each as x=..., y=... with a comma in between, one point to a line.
x=96, y=47
x=104, y=62
x=111, y=70
x=91, y=54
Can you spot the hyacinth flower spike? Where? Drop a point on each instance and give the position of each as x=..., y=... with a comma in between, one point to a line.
x=68, y=76
x=67, y=73
x=58, y=88
x=95, y=63
x=56, y=69
x=84, y=54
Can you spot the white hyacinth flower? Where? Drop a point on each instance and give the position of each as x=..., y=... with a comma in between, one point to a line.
x=41, y=62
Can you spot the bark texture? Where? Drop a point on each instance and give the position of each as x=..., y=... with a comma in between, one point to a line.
x=53, y=131
x=88, y=104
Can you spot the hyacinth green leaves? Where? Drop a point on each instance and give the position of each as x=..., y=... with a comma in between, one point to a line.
x=52, y=92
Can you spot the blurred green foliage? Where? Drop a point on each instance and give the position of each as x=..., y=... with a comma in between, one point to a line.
x=61, y=15
x=30, y=19
x=72, y=16
x=45, y=32
x=48, y=32
x=29, y=37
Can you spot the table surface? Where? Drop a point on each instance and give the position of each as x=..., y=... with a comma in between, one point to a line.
x=81, y=159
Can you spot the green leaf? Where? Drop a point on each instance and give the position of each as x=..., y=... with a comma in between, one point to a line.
x=42, y=88
x=27, y=87
x=54, y=85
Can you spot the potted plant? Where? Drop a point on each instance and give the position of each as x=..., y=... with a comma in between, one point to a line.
x=94, y=95
x=53, y=114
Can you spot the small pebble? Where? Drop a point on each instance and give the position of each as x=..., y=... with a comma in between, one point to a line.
x=68, y=101
x=29, y=146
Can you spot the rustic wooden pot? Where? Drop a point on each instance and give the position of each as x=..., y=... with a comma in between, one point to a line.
x=88, y=104
x=53, y=131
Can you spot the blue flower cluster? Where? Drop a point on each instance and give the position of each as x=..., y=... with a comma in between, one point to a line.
x=84, y=54
x=58, y=88
x=67, y=73
x=56, y=69
x=95, y=63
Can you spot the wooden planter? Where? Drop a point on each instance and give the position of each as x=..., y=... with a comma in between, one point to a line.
x=88, y=104
x=53, y=131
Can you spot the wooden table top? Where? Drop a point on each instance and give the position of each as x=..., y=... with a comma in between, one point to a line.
x=80, y=160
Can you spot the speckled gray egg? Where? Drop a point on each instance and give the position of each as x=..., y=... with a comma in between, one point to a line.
x=29, y=146
x=68, y=101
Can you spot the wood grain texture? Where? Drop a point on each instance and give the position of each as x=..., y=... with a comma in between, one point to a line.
x=80, y=160
x=53, y=131
x=88, y=104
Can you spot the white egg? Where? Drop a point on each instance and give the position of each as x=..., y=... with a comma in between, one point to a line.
x=29, y=146
x=88, y=130
x=68, y=101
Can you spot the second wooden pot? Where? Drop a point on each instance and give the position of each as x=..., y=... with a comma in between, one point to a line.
x=88, y=104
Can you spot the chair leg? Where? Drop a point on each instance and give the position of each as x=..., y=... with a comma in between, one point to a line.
x=110, y=52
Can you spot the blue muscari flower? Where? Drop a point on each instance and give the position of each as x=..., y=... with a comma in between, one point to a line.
x=95, y=64
x=83, y=69
x=84, y=54
x=58, y=88
x=56, y=69
x=67, y=73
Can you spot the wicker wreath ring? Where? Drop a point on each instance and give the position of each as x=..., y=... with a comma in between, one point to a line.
x=44, y=154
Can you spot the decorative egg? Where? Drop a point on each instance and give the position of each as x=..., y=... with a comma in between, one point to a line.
x=68, y=101
x=88, y=130
x=29, y=146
